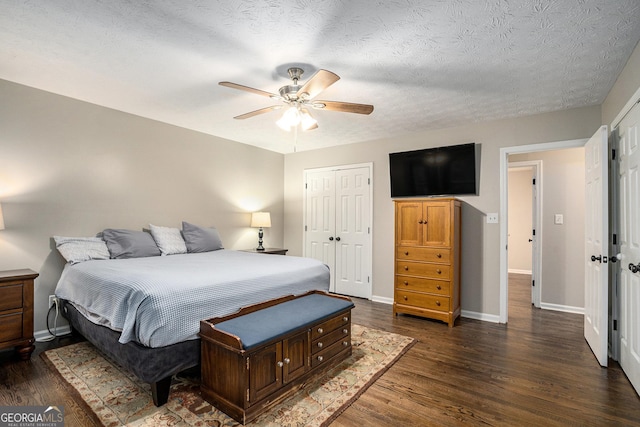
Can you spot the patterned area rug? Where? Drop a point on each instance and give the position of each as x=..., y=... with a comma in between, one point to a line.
x=118, y=398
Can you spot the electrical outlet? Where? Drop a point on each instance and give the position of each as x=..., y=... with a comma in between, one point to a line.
x=52, y=300
x=492, y=218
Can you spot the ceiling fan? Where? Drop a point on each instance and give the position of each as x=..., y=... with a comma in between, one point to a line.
x=299, y=98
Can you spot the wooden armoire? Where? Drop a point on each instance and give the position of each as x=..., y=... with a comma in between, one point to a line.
x=427, y=258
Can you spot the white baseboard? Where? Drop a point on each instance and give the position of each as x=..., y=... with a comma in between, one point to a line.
x=565, y=308
x=59, y=331
x=516, y=271
x=383, y=300
x=480, y=316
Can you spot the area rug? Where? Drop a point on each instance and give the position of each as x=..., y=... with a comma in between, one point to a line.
x=116, y=397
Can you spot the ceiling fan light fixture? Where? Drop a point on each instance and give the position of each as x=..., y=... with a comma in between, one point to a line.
x=307, y=122
x=290, y=118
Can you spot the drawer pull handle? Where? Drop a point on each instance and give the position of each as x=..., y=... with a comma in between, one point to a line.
x=320, y=345
x=320, y=358
x=406, y=267
x=320, y=330
x=406, y=252
x=439, y=255
x=405, y=298
x=438, y=271
x=438, y=303
x=345, y=343
x=280, y=364
x=287, y=360
x=345, y=319
x=438, y=287
x=345, y=331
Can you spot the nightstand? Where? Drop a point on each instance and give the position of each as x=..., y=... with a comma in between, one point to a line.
x=16, y=311
x=272, y=251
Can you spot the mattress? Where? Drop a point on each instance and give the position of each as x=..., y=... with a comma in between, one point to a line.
x=159, y=301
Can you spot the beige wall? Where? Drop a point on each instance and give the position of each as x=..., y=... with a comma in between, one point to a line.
x=480, y=241
x=520, y=220
x=563, y=183
x=72, y=168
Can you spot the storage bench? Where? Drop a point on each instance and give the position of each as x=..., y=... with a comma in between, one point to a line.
x=254, y=358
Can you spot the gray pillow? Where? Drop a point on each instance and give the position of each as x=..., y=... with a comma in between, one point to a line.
x=78, y=249
x=129, y=243
x=200, y=239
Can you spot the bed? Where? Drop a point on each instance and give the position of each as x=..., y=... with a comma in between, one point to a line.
x=145, y=312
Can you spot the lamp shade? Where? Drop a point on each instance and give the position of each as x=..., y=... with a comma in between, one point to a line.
x=260, y=219
x=1, y=219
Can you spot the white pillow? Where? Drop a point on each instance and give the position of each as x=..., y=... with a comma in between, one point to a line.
x=78, y=249
x=168, y=239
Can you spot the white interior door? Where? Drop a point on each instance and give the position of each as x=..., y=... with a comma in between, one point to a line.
x=353, y=227
x=629, y=240
x=536, y=281
x=320, y=218
x=597, y=245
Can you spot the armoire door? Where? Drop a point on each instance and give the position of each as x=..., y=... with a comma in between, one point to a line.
x=338, y=226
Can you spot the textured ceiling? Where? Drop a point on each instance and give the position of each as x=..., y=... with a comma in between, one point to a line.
x=423, y=64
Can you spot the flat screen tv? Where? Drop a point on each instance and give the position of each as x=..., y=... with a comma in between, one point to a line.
x=440, y=171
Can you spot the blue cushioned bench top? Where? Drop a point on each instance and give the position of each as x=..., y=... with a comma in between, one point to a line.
x=261, y=326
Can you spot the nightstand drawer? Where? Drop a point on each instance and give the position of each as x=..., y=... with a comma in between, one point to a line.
x=436, y=271
x=11, y=297
x=419, y=284
x=10, y=326
x=424, y=254
x=432, y=302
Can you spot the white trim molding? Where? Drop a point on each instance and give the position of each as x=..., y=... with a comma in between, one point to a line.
x=384, y=300
x=564, y=308
x=480, y=316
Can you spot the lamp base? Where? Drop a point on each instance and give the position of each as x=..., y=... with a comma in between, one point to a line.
x=260, y=235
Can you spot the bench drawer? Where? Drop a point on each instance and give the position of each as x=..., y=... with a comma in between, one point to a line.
x=327, y=354
x=332, y=337
x=329, y=326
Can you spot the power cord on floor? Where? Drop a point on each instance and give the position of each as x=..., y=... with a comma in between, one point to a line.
x=55, y=322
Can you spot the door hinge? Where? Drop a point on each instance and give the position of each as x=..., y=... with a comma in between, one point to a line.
x=533, y=283
x=614, y=239
x=368, y=230
x=613, y=154
x=247, y=395
x=534, y=231
x=368, y=279
x=534, y=181
x=615, y=324
x=305, y=228
x=305, y=186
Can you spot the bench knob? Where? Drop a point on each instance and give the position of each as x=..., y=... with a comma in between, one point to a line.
x=345, y=319
x=345, y=331
x=319, y=345
x=320, y=358
x=345, y=343
x=320, y=330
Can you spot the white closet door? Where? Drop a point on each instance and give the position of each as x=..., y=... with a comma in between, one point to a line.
x=629, y=239
x=597, y=245
x=353, y=221
x=320, y=218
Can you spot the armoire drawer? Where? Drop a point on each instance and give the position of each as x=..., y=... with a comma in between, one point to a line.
x=436, y=271
x=413, y=253
x=419, y=284
x=416, y=299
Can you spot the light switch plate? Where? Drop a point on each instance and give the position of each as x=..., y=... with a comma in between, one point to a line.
x=558, y=219
x=492, y=218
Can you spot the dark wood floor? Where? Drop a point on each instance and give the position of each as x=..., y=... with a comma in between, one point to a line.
x=537, y=371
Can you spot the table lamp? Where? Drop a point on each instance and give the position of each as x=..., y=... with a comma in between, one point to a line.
x=260, y=220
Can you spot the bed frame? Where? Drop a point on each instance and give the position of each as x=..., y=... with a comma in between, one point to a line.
x=155, y=366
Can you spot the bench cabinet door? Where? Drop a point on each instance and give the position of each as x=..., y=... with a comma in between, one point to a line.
x=296, y=356
x=265, y=372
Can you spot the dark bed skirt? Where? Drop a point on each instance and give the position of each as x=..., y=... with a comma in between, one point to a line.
x=152, y=365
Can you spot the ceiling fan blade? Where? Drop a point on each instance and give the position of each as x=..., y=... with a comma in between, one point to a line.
x=345, y=107
x=257, y=112
x=321, y=80
x=249, y=89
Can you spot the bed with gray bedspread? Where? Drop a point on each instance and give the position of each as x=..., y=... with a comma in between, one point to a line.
x=146, y=312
